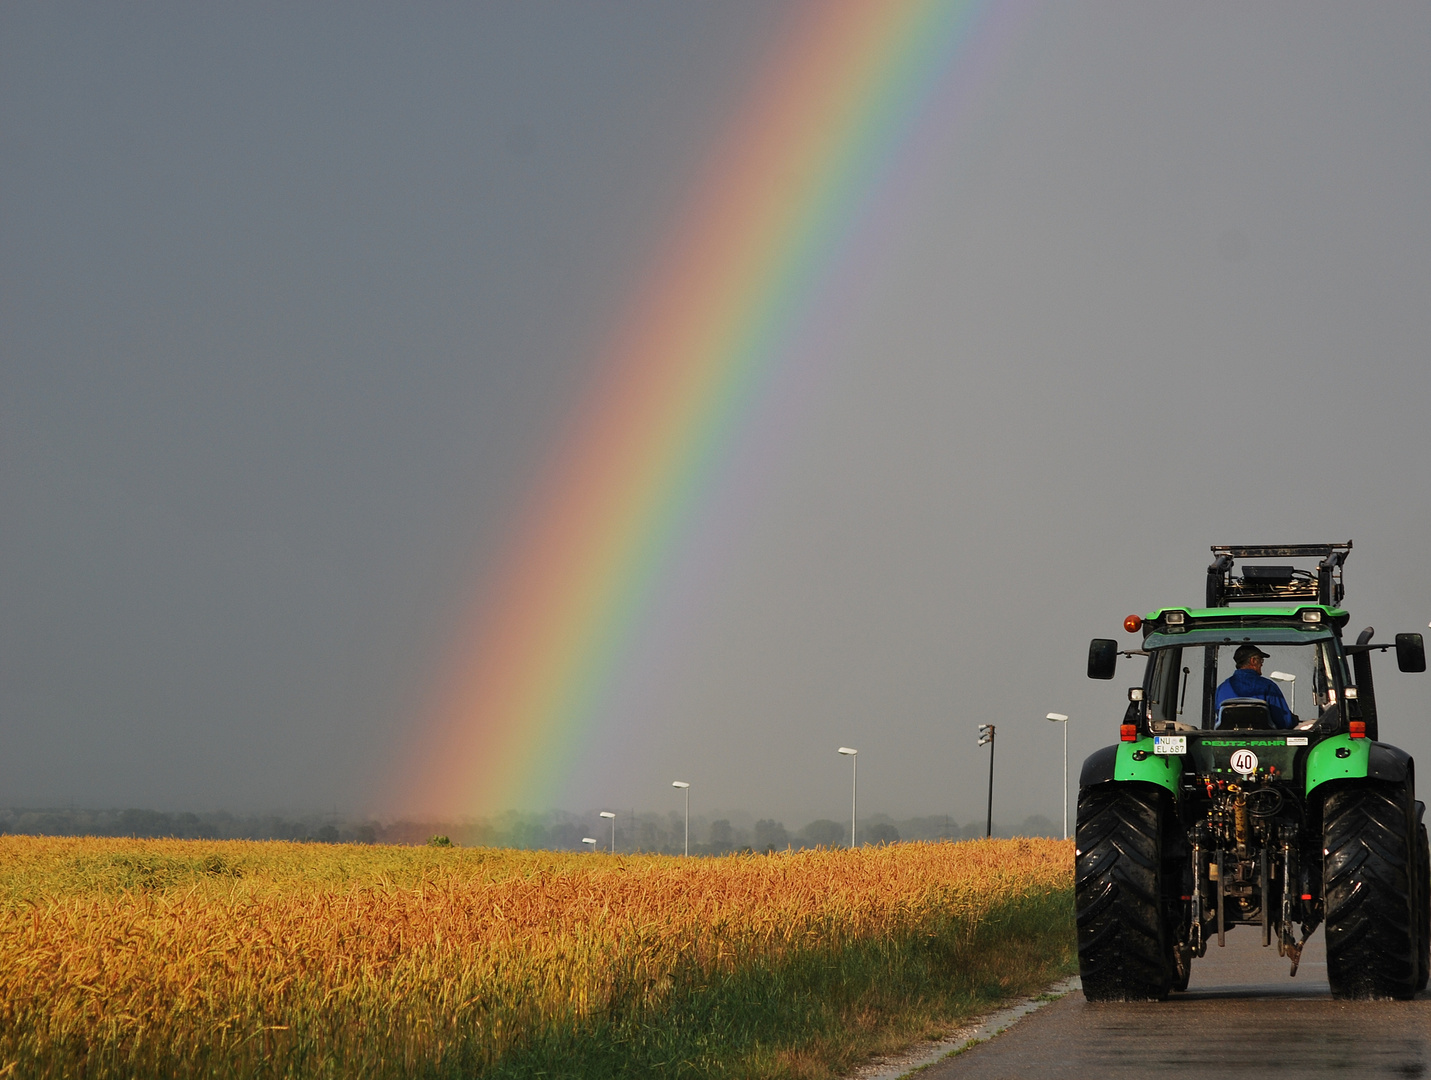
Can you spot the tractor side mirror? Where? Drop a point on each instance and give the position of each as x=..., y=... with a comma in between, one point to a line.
x=1410, y=652
x=1103, y=658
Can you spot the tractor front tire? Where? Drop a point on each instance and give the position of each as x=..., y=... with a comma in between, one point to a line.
x=1123, y=948
x=1370, y=872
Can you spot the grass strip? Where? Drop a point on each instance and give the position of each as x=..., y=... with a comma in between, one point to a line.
x=820, y=1013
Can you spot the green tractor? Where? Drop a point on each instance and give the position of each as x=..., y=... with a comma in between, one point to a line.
x=1238, y=797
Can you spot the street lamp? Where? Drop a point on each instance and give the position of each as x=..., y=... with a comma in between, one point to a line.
x=589, y=840
x=685, y=787
x=1059, y=718
x=853, y=755
x=609, y=814
x=986, y=738
x=1282, y=676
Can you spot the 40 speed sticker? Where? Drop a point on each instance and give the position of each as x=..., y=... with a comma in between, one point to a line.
x=1170, y=744
x=1244, y=762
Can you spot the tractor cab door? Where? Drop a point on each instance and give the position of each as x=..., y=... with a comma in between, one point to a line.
x=1174, y=692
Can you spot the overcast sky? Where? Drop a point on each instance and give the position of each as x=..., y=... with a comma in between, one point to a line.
x=294, y=302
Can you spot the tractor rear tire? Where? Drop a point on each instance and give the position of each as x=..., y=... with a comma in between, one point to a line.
x=1123, y=949
x=1370, y=873
x=1423, y=908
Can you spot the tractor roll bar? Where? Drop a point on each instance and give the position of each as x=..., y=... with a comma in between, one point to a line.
x=1276, y=584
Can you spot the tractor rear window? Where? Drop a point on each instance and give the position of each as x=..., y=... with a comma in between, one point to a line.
x=1184, y=677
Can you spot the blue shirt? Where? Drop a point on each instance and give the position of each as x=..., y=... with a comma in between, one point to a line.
x=1244, y=682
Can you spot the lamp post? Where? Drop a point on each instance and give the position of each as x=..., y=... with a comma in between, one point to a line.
x=686, y=788
x=1059, y=718
x=986, y=738
x=853, y=755
x=1282, y=676
x=609, y=814
x=589, y=840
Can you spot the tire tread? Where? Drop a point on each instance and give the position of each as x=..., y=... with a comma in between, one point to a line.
x=1370, y=874
x=1123, y=954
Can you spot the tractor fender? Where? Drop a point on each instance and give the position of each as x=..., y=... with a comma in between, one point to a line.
x=1342, y=757
x=1384, y=762
x=1132, y=761
x=1098, y=768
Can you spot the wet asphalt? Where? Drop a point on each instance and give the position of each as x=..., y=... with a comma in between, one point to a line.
x=1240, y=1016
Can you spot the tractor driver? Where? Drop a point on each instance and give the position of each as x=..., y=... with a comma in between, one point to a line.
x=1248, y=682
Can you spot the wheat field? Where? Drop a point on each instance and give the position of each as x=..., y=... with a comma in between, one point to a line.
x=153, y=958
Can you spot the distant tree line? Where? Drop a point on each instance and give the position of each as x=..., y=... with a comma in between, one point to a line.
x=552, y=830
x=218, y=825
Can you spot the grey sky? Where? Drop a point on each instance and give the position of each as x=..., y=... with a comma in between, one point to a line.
x=294, y=301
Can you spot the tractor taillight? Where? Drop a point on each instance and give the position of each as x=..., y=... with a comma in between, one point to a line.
x=1357, y=729
x=1128, y=733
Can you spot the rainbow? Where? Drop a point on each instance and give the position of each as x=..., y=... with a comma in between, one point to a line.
x=703, y=339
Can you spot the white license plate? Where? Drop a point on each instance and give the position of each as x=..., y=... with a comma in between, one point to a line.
x=1296, y=740
x=1170, y=744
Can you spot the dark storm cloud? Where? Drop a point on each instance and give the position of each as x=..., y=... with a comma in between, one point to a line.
x=294, y=302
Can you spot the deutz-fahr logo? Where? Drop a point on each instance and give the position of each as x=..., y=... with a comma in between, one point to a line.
x=1245, y=742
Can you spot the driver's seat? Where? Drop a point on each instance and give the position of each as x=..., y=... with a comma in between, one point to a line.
x=1244, y=714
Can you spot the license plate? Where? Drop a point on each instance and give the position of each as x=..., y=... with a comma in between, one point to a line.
x=1296, y=740
x=1170, y=744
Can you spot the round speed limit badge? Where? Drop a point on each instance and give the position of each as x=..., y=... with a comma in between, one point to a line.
x=1244, y=762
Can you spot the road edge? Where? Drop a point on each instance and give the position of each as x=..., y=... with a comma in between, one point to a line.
x=922, y=1055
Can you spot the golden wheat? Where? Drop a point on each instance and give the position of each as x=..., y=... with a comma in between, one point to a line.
x=122, y=957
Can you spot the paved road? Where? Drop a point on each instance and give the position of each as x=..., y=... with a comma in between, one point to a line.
x=1241, y=1016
